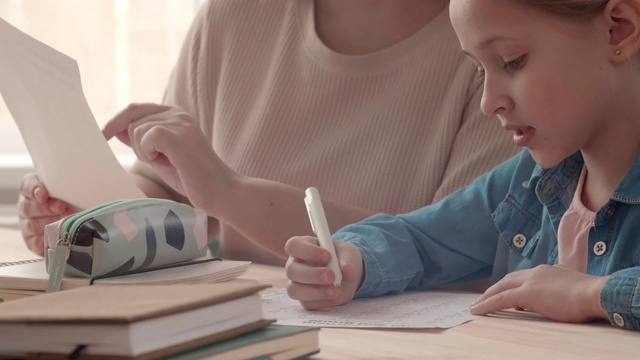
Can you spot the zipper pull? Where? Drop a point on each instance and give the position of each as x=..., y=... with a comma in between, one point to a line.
x=58, y=263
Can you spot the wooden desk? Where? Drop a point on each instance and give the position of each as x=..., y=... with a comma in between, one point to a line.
x=508, y=335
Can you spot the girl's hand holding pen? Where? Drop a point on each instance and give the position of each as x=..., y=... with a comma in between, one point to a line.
x=311, y=281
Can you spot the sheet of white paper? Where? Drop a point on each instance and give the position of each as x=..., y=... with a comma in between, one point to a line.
x=42, y=89
x=420, y=309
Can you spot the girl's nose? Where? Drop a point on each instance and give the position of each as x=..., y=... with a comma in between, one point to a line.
x=494, y=99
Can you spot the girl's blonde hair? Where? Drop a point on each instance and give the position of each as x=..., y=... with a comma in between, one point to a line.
x=570, y=8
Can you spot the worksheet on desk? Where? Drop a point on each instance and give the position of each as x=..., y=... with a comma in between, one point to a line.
x=42, y=89
x=409, y=310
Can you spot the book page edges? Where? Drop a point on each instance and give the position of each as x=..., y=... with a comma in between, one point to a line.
x=104, y=304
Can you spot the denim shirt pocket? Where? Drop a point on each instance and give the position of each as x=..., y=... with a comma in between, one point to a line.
x=519, y=228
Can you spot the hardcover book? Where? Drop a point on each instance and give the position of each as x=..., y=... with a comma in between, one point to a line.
x=275, y=342
x=145, y=321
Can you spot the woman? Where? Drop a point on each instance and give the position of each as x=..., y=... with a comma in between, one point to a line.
x=369, y=101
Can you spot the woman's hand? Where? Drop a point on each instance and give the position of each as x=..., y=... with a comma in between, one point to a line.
x=556, y=292
x=170, y=140
x=37, y=209
x=311, y=281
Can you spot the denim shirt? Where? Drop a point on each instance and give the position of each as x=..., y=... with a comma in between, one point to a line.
x=506, y=220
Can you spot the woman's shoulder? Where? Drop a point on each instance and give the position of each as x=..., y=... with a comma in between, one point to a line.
x=230, y=22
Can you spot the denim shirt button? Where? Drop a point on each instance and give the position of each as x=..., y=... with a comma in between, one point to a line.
x=600, y=248
x=608, y=212
x=618, y=319
x=519, y=241
x=549, y=186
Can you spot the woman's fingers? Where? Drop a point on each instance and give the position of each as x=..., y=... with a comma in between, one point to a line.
x=36, y=210
x=119, y=125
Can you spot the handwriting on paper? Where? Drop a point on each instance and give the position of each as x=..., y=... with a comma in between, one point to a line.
x=420, y=309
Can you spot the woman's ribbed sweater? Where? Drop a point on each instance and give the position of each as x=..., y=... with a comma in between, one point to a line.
x=390, y=131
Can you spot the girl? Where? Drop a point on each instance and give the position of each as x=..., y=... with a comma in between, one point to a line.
x=554, y=227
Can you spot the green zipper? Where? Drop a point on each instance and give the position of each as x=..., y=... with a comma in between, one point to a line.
x=70, y=224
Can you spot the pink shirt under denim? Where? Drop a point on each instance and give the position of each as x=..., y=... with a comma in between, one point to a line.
x=573, y=231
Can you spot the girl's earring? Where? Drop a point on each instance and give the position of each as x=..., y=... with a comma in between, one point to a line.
x=618, y=51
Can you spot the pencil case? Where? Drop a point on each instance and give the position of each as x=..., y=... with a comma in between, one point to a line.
x=124, y=236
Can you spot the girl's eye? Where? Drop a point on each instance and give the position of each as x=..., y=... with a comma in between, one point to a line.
x=515, y=64
x=480, y=72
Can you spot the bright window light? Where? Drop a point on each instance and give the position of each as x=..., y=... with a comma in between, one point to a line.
x=125, y=51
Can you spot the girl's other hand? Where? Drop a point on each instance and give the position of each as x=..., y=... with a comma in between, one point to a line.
x=557, y=292
x=37, y=209
x=311, y=281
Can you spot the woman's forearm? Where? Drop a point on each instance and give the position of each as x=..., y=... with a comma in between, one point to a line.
x=265, y=212
x=269, y=213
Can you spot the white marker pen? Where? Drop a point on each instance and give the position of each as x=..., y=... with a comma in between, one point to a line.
x=321, y=229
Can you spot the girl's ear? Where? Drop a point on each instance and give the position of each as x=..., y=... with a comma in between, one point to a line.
x=623, y=18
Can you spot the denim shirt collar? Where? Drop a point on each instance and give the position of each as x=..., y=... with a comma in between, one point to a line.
x=628, y=191
x=553, y=182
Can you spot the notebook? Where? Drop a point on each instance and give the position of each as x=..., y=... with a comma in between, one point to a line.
x=31, y=275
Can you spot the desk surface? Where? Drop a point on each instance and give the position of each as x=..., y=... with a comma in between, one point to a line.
x=507, y=335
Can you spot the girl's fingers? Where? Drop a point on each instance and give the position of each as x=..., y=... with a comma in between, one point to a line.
x=306, y=249
x=319, y=304
x=503, y=300
x=312, y=293
x=511, y=280
x=302, y=273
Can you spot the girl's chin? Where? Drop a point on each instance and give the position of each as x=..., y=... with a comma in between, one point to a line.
x=544, y=160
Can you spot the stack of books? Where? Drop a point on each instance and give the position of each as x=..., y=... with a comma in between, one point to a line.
x=222, y=321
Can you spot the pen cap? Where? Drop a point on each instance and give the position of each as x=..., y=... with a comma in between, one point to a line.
x=316, y=212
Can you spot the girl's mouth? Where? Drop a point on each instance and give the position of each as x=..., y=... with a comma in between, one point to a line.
x=523, y=135
x=523, y=130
